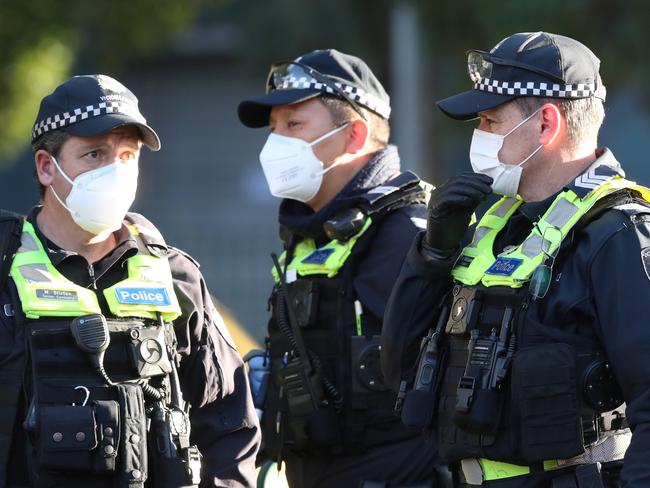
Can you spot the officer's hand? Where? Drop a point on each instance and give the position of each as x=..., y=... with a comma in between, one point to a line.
x=451, y=207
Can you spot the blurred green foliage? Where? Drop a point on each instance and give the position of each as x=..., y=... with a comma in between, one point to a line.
x=42, y=40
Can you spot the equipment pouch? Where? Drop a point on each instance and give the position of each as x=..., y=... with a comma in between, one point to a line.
x=485, y=412
x=420, y=402
x=305, y=301
x=545, y=392
x=107, y=414
x=79, y=438
x=479, y=405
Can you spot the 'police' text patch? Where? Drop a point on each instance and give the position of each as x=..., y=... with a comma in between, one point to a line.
x=319, y=256
x=142, y=296
x=504, y=266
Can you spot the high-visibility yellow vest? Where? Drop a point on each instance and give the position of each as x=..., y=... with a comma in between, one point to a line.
x=514, y=267
x=325, y=260
x=45, y=292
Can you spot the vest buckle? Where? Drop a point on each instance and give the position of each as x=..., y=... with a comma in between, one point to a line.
x=9, y=310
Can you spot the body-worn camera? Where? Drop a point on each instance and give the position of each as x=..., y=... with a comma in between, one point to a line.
x=147, y=351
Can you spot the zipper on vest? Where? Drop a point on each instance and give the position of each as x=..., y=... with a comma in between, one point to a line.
x=91, y=273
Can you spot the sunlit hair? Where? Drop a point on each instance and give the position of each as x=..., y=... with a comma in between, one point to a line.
x=342, y=112
x=52, y=142
x=583, y=116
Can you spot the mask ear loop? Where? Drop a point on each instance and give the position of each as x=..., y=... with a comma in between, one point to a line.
x=328, y=134
x=522, y=123
x=322, y=138
x=517, y=127
x=60, y=170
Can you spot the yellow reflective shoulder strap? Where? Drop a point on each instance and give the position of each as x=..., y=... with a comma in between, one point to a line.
x=478, y=256
x=325, y=260
x=42, y=289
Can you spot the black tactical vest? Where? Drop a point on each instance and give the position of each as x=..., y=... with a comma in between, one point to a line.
x=82, y=428
x=352, y=408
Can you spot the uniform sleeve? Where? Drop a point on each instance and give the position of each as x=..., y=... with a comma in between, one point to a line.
x=383, y=258
x=214, y=381
x=620, y=284
x=412, y=308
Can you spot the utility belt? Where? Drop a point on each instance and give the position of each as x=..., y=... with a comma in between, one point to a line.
x=105, y=404
x=612, y=447
x=504, y=391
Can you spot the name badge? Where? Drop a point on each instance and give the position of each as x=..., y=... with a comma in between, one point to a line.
x=464, y=261
x=143, y=296
x=319, y=256
x=65, y=295
x=504, y=266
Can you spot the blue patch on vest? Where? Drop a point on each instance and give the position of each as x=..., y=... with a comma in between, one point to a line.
x=143, y=296
x=319, y=256
x=504, y=266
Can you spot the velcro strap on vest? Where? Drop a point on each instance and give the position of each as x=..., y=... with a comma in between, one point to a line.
x=134, y=436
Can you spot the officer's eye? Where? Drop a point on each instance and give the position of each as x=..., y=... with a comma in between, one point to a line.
x=94, y=156
x=292, y=124
x=487, y=121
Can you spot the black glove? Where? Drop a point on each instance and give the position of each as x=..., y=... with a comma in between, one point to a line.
x=451, y=207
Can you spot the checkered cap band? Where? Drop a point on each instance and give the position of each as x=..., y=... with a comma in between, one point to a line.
x=356, y=94
x=534, y=89
x=59, y=121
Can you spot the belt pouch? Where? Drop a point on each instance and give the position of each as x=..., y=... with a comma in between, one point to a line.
x=67, y=437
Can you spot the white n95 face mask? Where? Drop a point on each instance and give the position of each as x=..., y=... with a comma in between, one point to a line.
x=291, y=168
x=484, y=157
x=100, y=198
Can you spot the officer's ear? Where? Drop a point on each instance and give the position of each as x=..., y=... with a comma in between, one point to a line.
x=358, y=133
x=552, y=123
x=45, y=169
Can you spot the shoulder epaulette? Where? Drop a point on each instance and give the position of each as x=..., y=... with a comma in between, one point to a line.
x=404, y=189
x=184, y=254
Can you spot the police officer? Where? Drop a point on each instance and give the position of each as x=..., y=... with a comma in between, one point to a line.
x=109, y=337
x=347, y=217
x=537, y=339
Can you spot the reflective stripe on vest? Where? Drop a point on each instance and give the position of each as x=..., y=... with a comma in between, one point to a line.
x=325, y=260
x=45, y=292
x=514, y=267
